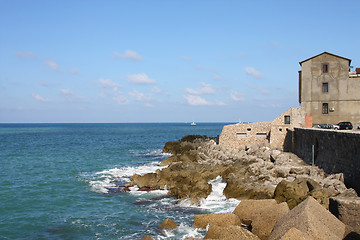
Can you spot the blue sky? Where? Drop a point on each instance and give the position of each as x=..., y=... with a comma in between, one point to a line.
x=163, y=61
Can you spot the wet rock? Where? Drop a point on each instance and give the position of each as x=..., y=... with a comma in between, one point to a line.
x=148, y=180
x=142, y=203
x=219, y=219
x=312, y=219
x=147, y=237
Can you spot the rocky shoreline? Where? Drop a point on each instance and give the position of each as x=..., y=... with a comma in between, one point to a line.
x=255, y=173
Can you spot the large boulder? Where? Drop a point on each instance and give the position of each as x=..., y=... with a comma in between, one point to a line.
x=347, y=209
x=264, y=219
x=229, y=233
x=167, y=224
x=298, y=190
x=244, y=188
x=312, y=219
x=219, y=219
x=246, y=208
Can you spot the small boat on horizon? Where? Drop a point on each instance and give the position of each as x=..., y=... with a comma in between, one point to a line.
x=193, y=123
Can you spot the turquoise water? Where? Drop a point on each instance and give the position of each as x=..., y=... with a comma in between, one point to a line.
x=55, y=181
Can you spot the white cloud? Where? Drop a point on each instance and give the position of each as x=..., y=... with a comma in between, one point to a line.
x=25, y=54
x=253, y=72
x=236, y=96
x=40, y=98
x=140, y=78
x=129, y=54
x=199, y=101
x=67, y=92
x=107, y=83
x=139, y=96
x=52, y=64
x=196, y=100
x=205, y=89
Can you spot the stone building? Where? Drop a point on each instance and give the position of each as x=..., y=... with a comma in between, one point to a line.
x=275, y=133
x=328, y=91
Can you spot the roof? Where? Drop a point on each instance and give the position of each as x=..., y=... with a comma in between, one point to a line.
x=326, y=53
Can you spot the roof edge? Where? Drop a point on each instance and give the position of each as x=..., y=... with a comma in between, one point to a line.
x=326, y=53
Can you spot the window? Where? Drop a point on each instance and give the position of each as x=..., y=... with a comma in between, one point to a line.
x=325, y=67
x=241, y=134
x=325, y=87
x=261, y=135
x=287, y=119
x=325, y=108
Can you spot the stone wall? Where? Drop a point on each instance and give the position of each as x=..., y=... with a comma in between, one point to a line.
x=241, y=135
x=333, y=151
x=274, y=133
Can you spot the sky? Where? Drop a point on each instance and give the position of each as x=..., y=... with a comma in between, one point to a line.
x=104, y=61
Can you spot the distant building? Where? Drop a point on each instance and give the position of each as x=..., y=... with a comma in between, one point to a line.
x=328, y=91
x=275, y=133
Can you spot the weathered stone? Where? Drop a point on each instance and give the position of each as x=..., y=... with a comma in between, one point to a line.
x=295, y=234
x=147, y=237
x=169, y=160
x=347, y=209
x=167, y=224
x=220, y=219
x=229, y=233
x=246, y=188
x=149, y=180
x=295, y=192
x=312, y=219
x=264, y=219
x=246, y=208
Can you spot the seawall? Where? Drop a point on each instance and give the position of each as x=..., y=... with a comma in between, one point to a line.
x=333, y=151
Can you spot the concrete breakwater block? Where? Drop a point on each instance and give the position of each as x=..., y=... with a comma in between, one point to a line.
x=219, y=219
x=229, y=233
x=312, y=219
x=246, y=208
x=347, y=209
x=167, y=224
x=264, y=219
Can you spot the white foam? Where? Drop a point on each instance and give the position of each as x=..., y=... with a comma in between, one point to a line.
x=103, y=180
x=216, y=202
x=183, y=231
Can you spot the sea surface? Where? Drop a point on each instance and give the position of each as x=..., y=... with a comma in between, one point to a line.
x=59, y=181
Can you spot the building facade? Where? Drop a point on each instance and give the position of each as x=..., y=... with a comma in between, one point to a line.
x=328, y=91
x=274, y=133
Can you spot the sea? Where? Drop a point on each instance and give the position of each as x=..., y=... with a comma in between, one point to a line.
x=61, y=181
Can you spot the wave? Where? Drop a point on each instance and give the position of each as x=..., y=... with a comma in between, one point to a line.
x=108, y=179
